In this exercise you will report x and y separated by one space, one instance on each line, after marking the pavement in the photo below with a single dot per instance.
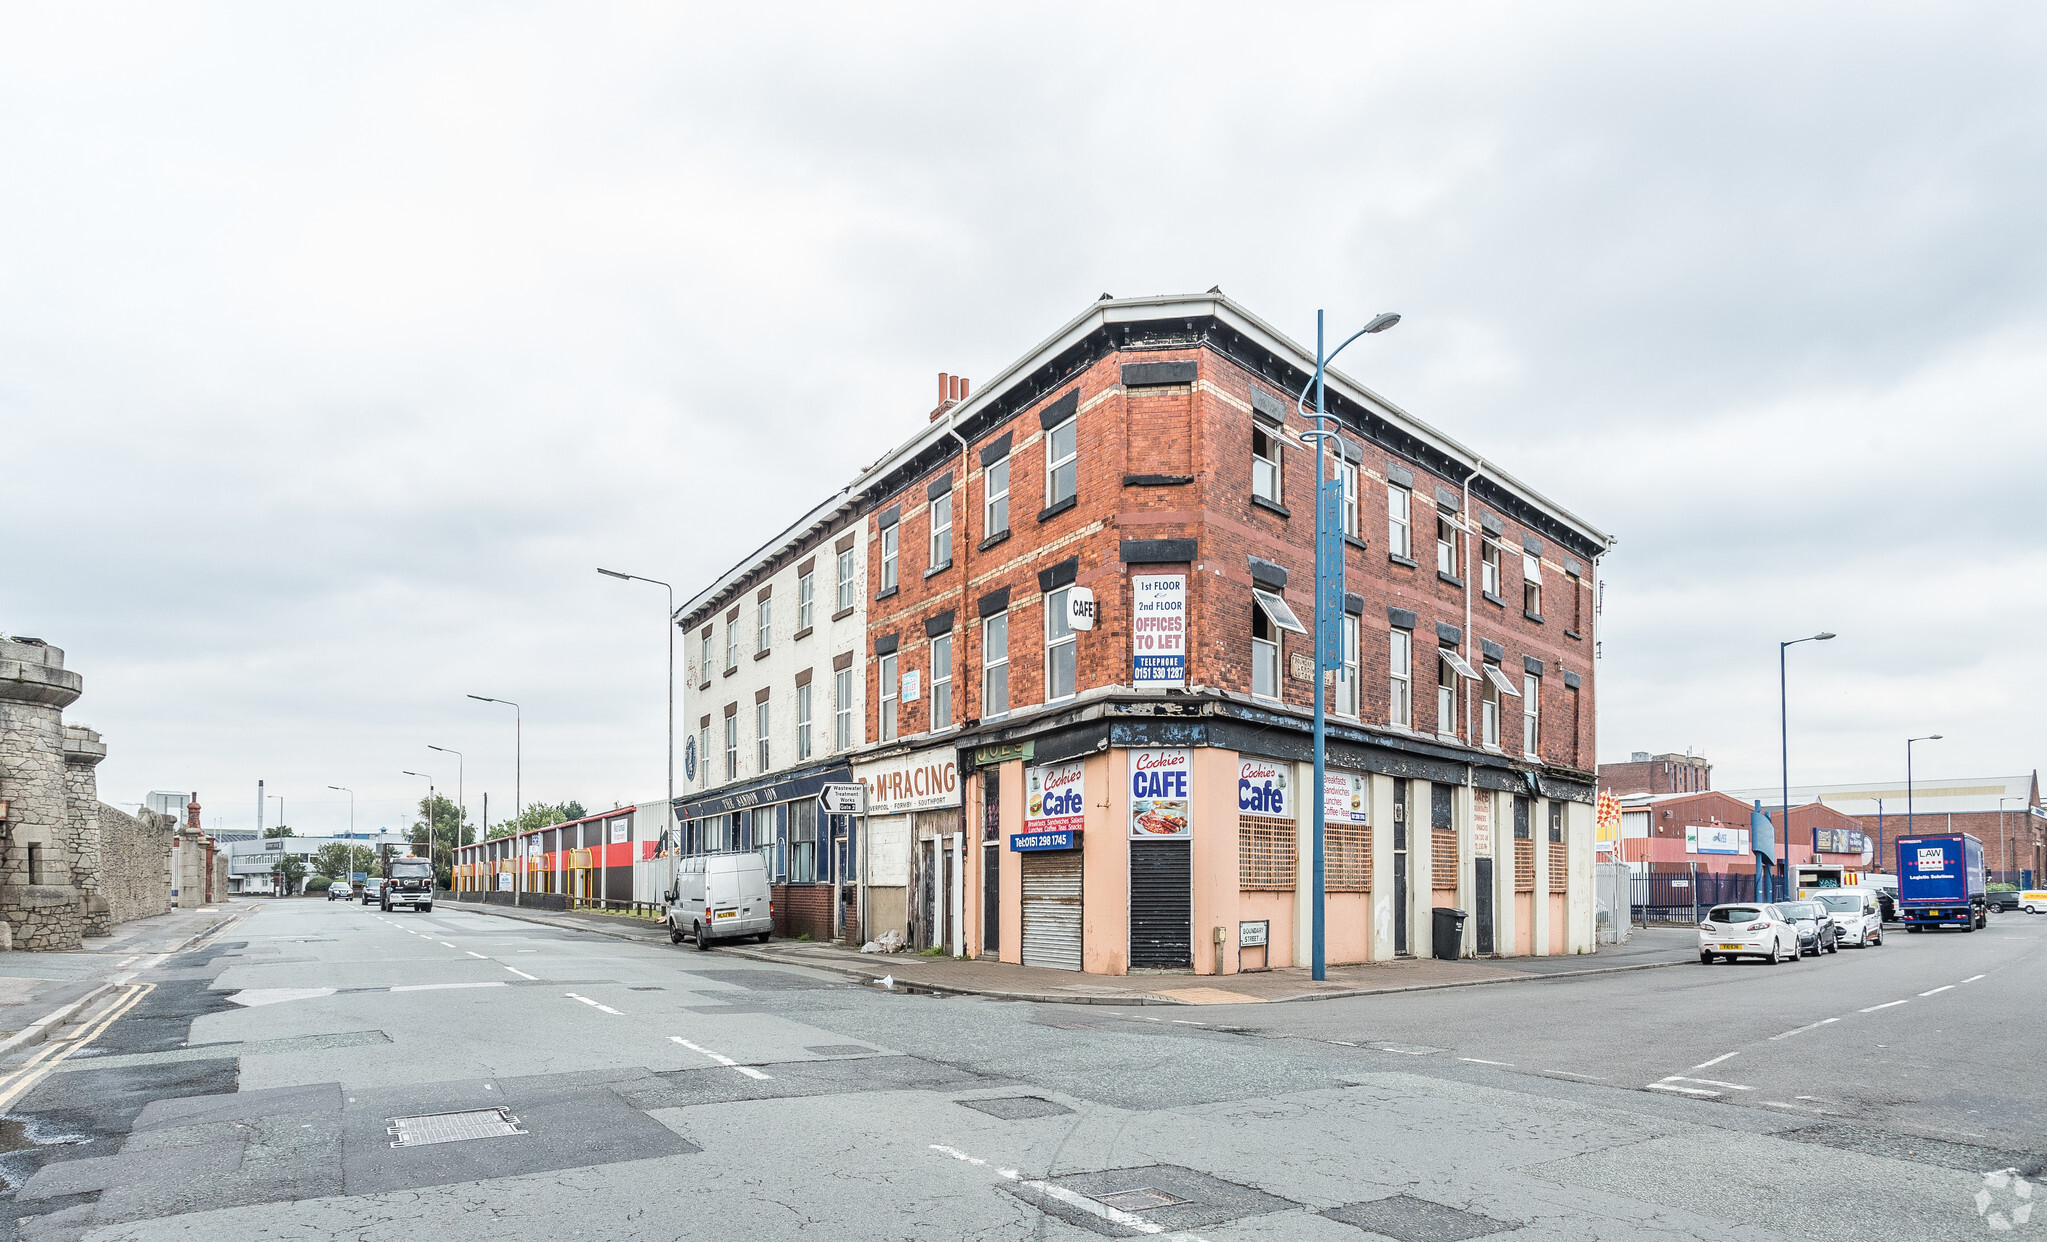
1648 948
316 1070
34 986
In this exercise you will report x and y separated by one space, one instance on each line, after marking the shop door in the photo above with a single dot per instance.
1161 904
991 900
1482 883
1051 909
1400 868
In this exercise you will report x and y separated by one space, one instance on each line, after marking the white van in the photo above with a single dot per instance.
720 897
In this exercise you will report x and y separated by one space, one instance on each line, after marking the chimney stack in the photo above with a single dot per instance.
192 813
952 389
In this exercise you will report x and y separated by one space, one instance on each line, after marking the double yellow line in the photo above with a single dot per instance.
54 1053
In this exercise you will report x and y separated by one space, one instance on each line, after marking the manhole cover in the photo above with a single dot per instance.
1017 1107
1142 1199
477 1123
1416 1220
838 1050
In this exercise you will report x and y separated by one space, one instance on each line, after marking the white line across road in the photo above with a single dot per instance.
439 987
1074 1199
720 1058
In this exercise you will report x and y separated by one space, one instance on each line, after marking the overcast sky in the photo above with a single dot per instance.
340 344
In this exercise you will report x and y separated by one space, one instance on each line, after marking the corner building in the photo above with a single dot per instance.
1136 794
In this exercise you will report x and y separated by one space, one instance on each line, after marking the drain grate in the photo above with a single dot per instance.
1142 1199
477 1123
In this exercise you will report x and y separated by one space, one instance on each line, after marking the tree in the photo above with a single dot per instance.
539 815
451 828
340 860
279 831
293 868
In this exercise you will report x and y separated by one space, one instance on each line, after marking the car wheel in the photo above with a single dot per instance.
1775 956
1705 959
1835 945
2031 910
674 934
762 938
703 941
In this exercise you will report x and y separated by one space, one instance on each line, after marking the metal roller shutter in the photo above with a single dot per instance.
1161 903
1051 909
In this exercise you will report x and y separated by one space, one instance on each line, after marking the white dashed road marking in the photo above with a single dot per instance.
522 974
720 1058
1972 978
593 1004
438 987
474 953
1937 990
1074 1199
1482 1061
1885 1005
1723 1056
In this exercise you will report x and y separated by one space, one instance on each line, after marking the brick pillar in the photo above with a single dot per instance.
83 751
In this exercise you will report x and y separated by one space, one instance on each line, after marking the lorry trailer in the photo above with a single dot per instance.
1941 882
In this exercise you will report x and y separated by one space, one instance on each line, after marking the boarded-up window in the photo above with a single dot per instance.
1443 858
1157 431
1347 858
1524 866
1558 866
1266 858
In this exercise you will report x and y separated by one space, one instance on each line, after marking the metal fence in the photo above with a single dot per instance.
1684 896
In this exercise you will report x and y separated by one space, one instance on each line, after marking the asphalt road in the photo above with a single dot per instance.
249 1087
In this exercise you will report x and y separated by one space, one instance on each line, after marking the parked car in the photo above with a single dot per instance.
2033 900
1855 915
720 897
372 889
1747 930
340 890
2002 899
1816 934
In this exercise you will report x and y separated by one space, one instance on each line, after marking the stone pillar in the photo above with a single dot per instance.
83 751
43 911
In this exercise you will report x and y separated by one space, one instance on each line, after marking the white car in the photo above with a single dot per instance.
1755 929
1855 916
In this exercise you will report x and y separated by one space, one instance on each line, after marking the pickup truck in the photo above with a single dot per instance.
1942 883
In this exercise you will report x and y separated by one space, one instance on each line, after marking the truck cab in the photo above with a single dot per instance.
409 881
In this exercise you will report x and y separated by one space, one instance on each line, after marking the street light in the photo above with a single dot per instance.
461 805
429 824
2001 833
1931 737
1784 742
1328 598
518 808
351 807
669 625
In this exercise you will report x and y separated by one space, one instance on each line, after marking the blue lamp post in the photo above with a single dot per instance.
1328 597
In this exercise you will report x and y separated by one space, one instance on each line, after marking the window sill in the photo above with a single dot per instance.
991 541
1532 616
1574 635
731 669
1054 510
1452 579
1156 480
1260 502
705 686
842 614
939 568
1356 542
886 594
802 634
1493 599
1398 559
763 653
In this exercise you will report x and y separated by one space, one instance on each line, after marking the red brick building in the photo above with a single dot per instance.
1645 773
1149 455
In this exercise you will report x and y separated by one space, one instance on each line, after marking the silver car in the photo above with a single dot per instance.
1855 915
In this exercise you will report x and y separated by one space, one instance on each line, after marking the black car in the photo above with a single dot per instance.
2003 899
1816 931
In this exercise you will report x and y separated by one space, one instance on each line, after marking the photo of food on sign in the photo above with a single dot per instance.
1159 793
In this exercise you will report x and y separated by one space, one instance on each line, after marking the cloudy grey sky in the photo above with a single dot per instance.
338 345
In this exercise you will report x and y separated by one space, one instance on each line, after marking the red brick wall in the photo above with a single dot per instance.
802 909
1140 433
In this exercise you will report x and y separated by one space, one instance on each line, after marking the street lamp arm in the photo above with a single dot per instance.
1379 324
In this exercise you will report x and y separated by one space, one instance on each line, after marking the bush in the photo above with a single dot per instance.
319 884
2004 888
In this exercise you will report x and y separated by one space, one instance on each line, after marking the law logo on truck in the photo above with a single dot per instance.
1932 857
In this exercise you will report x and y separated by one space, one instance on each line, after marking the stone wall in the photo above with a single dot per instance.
135 853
